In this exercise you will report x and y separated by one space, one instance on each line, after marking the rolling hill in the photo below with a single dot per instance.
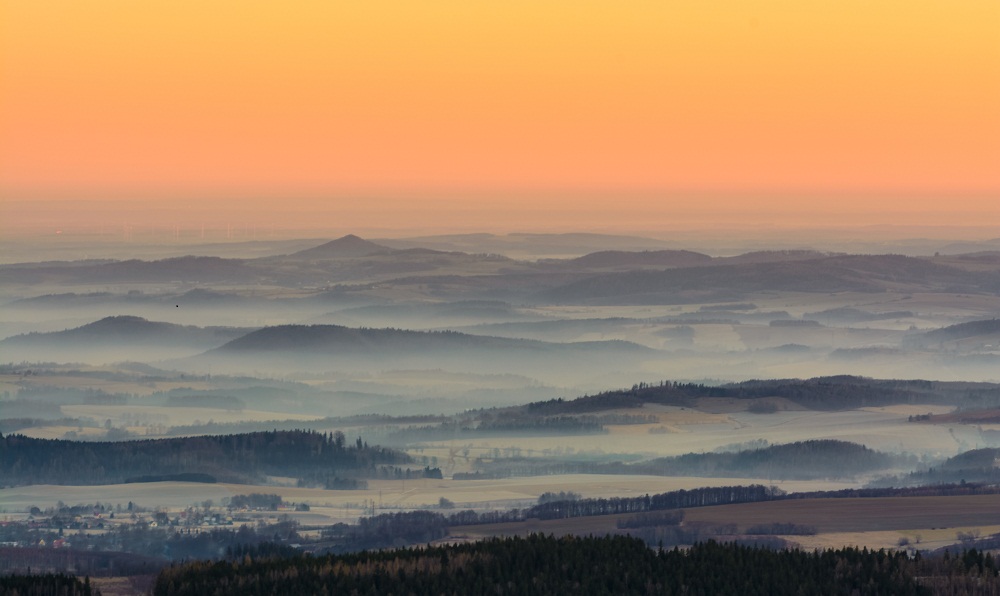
116 338
985 331
333 347
332 339
617 259
349 246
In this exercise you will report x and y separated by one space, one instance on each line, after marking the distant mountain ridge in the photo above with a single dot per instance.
858 273
187 268
197 296
285 349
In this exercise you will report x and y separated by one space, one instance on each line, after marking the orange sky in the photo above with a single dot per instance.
873 105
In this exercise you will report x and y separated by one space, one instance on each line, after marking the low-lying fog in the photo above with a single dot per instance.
313 332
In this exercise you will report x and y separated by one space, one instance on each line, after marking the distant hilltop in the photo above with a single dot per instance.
345 247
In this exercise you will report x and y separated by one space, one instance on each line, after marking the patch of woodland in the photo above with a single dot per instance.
801 460
244 458
47 584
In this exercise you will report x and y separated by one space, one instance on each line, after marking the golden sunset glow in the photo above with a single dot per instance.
503 101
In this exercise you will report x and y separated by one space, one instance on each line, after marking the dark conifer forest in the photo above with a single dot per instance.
589 565
49 584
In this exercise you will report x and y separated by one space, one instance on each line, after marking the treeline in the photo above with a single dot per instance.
568 565
699 497
244 458
576 507
935 490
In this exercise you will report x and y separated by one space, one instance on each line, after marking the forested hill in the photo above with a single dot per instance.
124 330
986 329
976 465
821 393
312 457
801 460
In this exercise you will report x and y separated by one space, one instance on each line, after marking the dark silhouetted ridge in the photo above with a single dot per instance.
347 246
127 329
336 338
647 258
857 273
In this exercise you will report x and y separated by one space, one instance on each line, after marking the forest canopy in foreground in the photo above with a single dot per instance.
591 565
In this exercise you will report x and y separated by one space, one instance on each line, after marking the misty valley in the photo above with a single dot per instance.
347 412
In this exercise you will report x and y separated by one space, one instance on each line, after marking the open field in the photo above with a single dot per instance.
920 539
872 522
854 515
